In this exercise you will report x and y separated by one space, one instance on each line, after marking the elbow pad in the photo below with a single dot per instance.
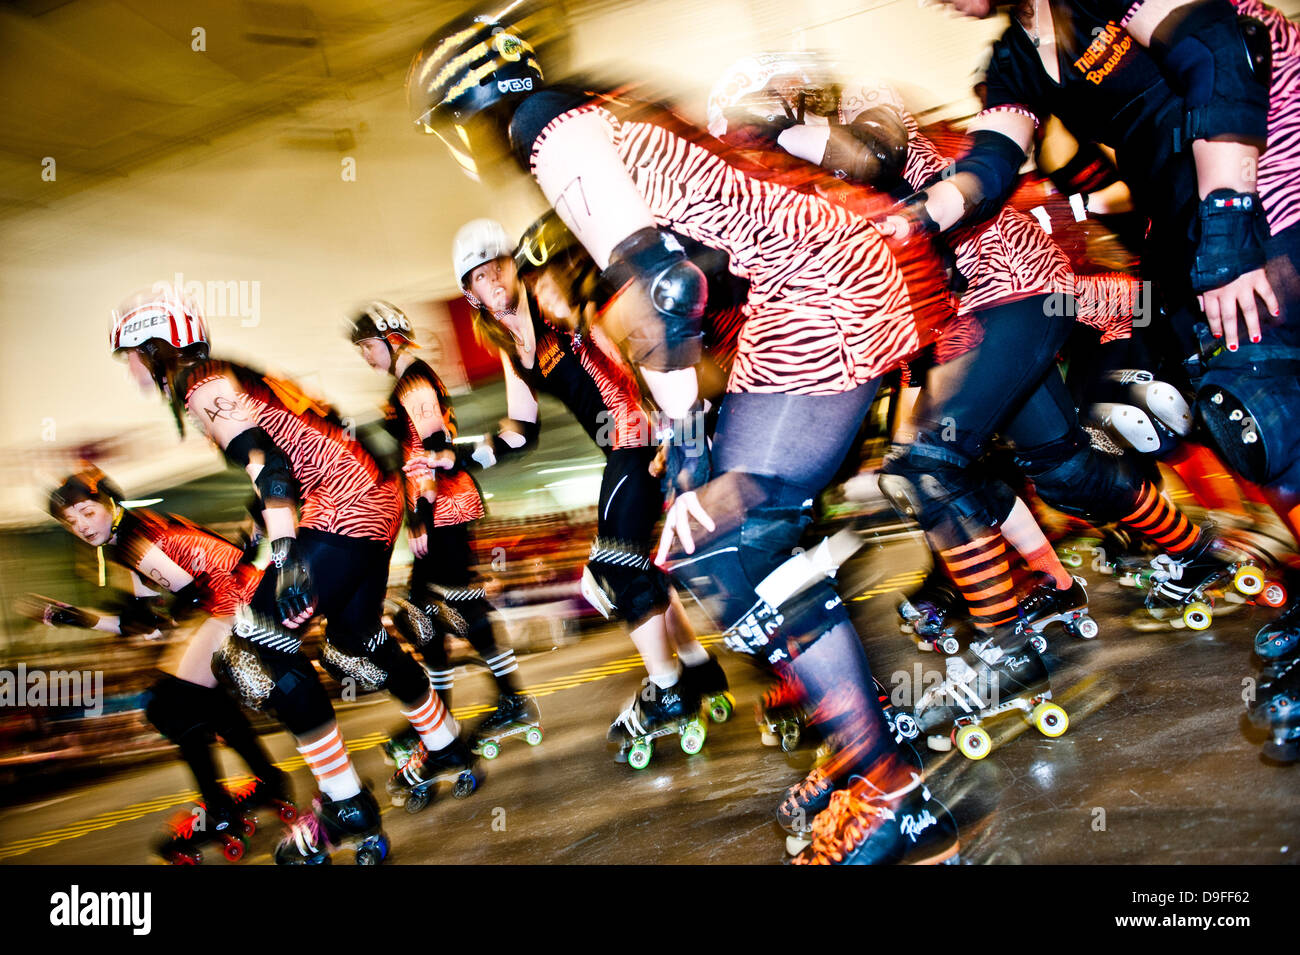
139 617
663 331
276 483
994 160
435 442
872 149
529 430
1221 65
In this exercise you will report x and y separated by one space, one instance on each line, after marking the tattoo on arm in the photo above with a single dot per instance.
225 408
571 205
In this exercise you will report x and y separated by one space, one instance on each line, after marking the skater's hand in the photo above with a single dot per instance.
424 465
1220 306
419 545
294 597
894 227
678 523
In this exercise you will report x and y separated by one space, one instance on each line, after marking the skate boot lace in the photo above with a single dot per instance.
812 786
854 814
307 834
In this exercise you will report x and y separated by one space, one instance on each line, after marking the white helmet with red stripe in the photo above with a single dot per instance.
164 327
163 312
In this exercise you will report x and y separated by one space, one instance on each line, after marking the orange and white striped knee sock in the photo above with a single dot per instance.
1161 522
982 572
328 760
432 721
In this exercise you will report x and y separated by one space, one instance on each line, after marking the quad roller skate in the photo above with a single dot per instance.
864 826
1047 604
656 712
1276 708
223 826
1180 590
780 715
710 682
413 786
352 822
515 715
1000 681
401 746
1280 640
930 615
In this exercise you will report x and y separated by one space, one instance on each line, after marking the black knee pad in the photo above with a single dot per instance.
935 487
631 586
723 572
1252 412
177 708
1073 477
281 683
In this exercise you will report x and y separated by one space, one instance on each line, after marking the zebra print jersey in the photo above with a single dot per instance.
459 499
828 308
343 490
224 579
1007 258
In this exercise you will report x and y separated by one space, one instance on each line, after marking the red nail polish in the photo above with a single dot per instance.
1232 348
1255 339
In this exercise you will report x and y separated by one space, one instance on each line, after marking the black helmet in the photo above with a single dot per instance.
88 484
386 322
463 73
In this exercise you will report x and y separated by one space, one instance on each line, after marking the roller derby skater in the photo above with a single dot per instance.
443 501
330 512
547 345
795 397
1217 82
208 577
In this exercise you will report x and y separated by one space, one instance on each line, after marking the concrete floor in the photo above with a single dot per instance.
1157 766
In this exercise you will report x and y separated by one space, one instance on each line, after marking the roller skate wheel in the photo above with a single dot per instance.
1248 580
1049 719
533 737
1198 616
288 813
949 645
720 708
638 757
416 800
1086 627
796 844
938 743
692 740
372 851
906 727
1039 643
790 742
464 786
249 825
1273 595
490 751
974 742
769 739
233 848
184 857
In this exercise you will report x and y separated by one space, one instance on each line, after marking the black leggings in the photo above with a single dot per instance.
772 454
